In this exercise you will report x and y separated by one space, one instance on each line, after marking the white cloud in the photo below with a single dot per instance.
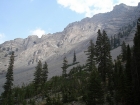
2 38
39 32
91 7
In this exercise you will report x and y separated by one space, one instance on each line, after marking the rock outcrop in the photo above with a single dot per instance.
53 47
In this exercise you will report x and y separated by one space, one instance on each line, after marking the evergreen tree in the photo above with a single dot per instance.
7 95
124 48
122 87
95 94
98 46
37 76
105 65
136 66
64 67
74 57
91 57
44 73
116 78
123 82
128 64
103 55
128 77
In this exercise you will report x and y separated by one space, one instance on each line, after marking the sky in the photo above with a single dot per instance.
21 18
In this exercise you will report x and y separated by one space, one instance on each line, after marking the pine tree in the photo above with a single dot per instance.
128 73
44 74
64 67
74 57
91 56
105 65
7 95
98 46
37 76
136 66
104 59
116 78
128 64
122 88
95 94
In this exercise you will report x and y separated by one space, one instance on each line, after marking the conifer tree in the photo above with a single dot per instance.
7 95
74 57
103 55
98 46
105 65
37 75
64 67
128 77
95 94
44 73
122 89
136 66
116 78
128 64
91 57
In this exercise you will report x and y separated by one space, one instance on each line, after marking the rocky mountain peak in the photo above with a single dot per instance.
75 37
121 7
139 4
32 37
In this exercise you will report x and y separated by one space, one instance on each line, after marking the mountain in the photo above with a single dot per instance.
53 47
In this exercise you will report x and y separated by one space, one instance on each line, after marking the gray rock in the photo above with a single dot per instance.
53 47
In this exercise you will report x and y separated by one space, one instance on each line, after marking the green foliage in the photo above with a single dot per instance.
128 67
136 66
95 94
90 57
37 76
44 74
7 95
115 41
53 101
98 46
64 67
104 59
123 81
110 84
105 65
74 57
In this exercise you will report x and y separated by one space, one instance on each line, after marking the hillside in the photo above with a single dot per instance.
53 47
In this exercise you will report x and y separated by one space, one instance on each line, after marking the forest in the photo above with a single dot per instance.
100 81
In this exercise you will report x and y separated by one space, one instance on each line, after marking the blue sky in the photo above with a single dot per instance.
21 18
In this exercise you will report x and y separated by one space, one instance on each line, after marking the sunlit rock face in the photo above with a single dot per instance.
53 47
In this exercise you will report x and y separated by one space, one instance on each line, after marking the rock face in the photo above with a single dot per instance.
53 47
